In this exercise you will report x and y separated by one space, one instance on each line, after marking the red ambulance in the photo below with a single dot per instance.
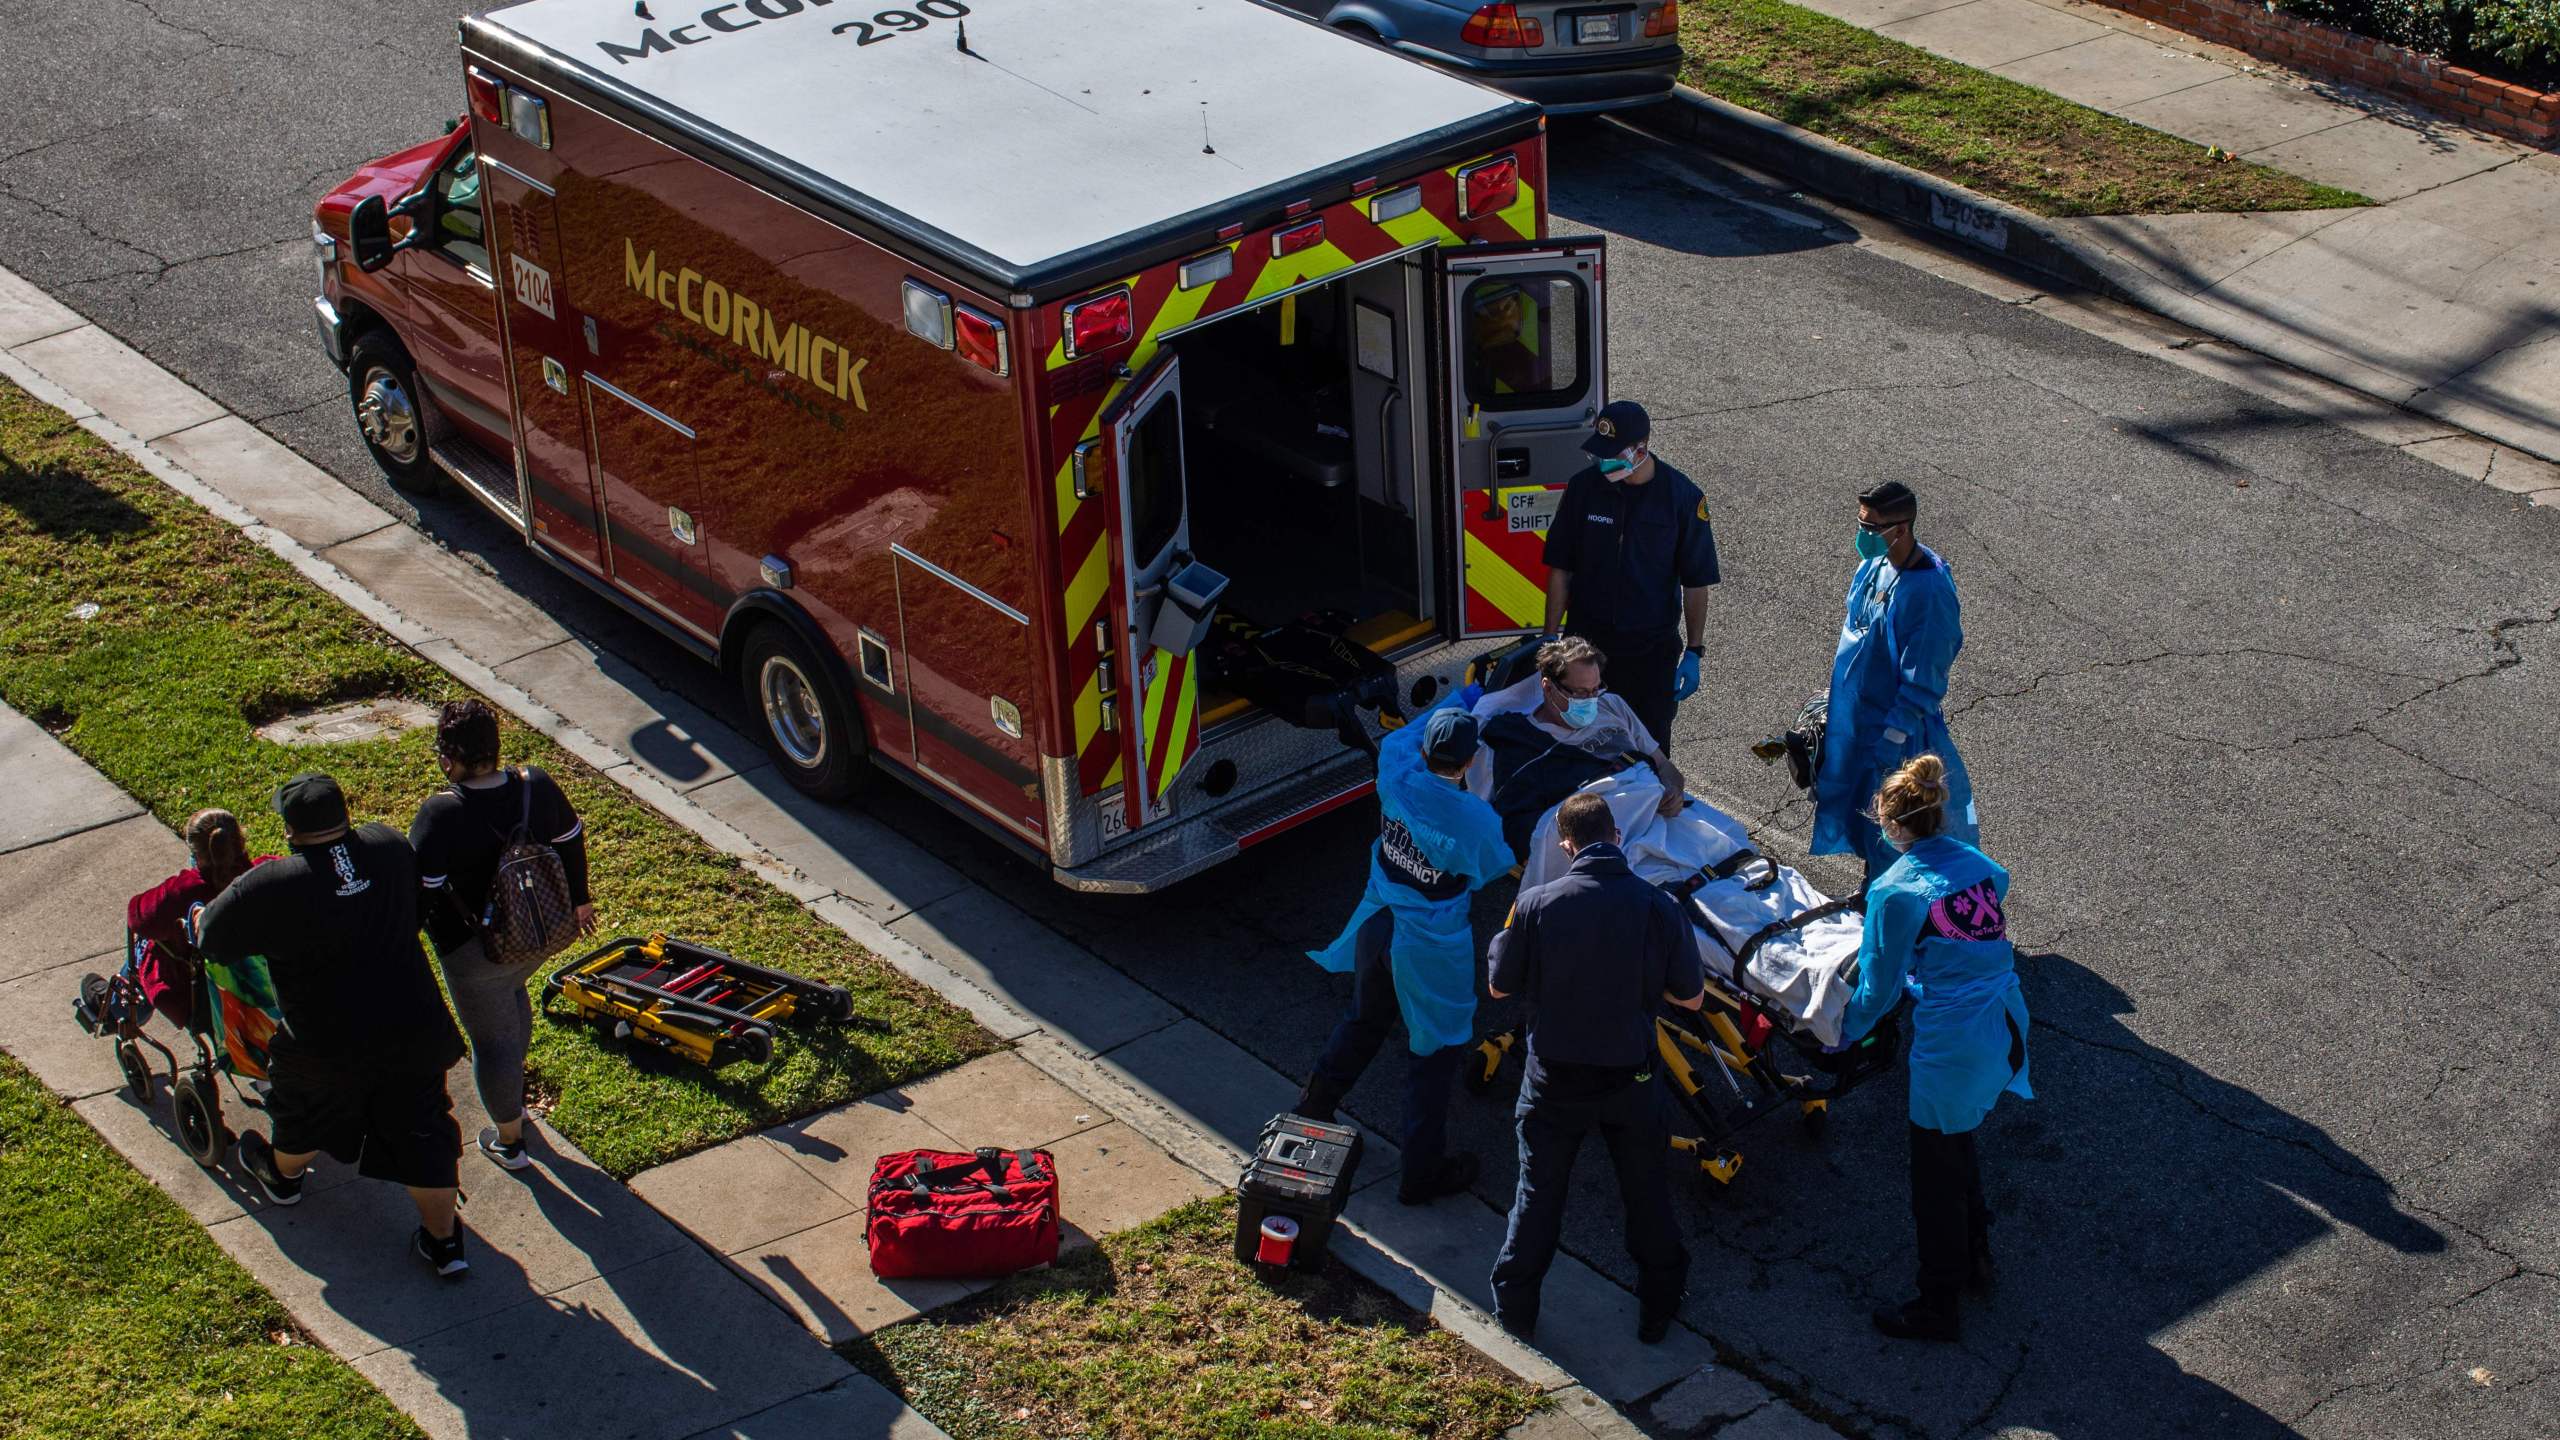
967 378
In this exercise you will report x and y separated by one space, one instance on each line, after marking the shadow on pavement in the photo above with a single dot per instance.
2140 1204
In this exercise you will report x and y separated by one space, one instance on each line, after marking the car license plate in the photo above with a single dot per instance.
1595 30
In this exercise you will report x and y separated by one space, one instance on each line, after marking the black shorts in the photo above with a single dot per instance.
394 1125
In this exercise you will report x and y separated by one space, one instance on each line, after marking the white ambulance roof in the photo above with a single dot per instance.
1066 124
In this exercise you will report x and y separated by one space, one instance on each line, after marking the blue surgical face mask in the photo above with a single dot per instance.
1872 545
1578 713
1614 468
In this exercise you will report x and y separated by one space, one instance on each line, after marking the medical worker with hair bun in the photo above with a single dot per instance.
1889 681
1936 929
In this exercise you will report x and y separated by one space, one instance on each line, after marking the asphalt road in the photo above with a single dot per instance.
2258 711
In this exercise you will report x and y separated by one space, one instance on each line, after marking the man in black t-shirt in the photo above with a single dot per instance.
1593 952
358 1062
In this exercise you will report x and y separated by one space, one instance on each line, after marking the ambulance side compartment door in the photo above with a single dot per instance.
545 354
1525 341
1150 528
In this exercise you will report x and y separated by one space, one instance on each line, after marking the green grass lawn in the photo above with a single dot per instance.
1157 1332
199 636
120 1317
2026 146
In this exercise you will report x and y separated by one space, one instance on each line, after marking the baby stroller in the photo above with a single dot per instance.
236 1013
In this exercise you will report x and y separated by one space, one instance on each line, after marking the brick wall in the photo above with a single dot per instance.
2334 54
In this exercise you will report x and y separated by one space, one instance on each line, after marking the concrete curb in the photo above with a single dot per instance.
1129 1099
1876 185
2049 249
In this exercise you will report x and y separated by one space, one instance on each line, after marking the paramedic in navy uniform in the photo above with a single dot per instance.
1629 555
1593 951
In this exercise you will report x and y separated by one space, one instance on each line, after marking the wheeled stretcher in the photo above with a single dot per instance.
691 1000
1780 960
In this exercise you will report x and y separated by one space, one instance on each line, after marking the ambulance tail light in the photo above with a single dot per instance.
488 96
980 339
1297 238
928 313
1488 187
1395 204
1098 322
1664 21
1500 27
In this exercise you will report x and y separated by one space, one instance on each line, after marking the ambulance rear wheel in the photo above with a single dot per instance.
814 741
391 414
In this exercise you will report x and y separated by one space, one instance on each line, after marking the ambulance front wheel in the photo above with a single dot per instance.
816 744
390 414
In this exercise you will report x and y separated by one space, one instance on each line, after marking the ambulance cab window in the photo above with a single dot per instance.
1525 336
1155 480
460 228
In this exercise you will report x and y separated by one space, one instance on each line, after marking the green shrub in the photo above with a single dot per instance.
2522 34
2516 38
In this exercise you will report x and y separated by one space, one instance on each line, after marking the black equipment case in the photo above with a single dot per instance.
1303 1169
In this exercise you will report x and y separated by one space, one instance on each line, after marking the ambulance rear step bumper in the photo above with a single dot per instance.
1187 847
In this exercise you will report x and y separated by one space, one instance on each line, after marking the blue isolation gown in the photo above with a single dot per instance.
1434 952
1968 1016
1897 643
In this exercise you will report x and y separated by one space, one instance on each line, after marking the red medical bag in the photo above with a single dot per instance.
940 1213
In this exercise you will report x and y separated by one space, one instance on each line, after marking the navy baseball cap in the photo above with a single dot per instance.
1621 423
1449 736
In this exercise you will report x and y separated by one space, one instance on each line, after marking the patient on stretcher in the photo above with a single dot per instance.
1803 964
1554 732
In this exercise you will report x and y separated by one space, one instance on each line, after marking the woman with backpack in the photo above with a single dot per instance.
502 871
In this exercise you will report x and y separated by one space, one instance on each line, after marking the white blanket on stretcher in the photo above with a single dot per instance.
1804 971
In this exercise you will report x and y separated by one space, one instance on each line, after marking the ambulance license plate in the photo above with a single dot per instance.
1596 30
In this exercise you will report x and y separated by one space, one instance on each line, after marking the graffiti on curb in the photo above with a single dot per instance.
1980 224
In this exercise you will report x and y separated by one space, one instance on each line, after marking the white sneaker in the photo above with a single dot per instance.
509 1157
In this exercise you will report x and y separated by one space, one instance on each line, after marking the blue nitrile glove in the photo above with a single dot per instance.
1684 681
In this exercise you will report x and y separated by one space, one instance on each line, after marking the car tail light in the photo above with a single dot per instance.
1098 322
1297 238
1499 27
488 97
979 337
1488 187
1664 21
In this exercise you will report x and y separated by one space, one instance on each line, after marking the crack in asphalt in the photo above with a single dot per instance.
2232 652
2176 1085
1983 1418
1816 395
78 222
207 36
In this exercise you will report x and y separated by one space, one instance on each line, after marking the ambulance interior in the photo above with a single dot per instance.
1299 462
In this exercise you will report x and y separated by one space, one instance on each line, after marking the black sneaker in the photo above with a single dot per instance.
442 1256
1653 1329
259 1159
90 1009
1456 1174
1918 1320
508 1157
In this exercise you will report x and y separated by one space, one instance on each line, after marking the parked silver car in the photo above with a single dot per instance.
1568 56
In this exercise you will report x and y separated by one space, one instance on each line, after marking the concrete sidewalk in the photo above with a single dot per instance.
2444 298
586 1312
1167 1078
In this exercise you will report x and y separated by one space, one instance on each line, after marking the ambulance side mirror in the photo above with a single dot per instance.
369 230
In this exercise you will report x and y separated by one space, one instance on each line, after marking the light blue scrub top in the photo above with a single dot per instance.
1965 991
1434 950
1897 643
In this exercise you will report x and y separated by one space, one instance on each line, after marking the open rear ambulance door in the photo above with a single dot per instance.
1158 712
1526 338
